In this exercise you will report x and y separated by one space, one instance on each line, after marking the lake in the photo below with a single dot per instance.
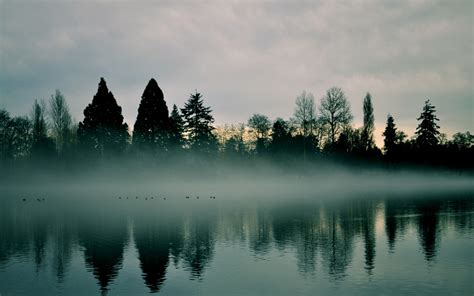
104 243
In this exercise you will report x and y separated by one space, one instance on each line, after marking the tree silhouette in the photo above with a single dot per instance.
152 127
61 121
427 131
198 125
260 125
390 135
335 111
42 145
305 113
280 136
103 131
176 128
367 136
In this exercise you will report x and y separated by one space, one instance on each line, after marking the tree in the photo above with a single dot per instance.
305 113
367 135
198 125
427 131
463 140
103 131
335 111
61 121
152 127
176 128
260 125
15 136
280 136
390 135
42 145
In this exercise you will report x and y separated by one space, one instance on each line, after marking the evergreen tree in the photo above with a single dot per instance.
42 145
367 136
427 131
280 136
390 135
103 131
198 125
176 128
151 130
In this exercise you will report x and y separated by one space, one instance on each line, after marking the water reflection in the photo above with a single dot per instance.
324 234
103 237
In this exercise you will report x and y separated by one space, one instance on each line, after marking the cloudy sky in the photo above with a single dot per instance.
245 56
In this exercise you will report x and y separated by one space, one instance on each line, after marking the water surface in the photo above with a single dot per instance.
103 244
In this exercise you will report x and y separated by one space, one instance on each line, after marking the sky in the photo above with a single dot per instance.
245 57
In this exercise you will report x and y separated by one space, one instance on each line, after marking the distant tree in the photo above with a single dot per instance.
103 131
463 140
390 134
305 113
5 121
152 127
42 145
19 138
427 131
367 135
61 121
176 128
198 125
335 112
280 136
260 126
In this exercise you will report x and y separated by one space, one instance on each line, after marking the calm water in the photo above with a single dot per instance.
104 245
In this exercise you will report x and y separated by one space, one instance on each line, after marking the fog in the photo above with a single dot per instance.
229 180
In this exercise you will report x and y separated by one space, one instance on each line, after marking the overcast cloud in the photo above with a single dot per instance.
244 56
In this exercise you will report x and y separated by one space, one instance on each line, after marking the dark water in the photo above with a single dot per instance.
420 245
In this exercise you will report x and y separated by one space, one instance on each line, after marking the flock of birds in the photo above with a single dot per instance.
146 198
164 198
38 199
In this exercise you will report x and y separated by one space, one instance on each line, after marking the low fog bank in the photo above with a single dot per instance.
233 180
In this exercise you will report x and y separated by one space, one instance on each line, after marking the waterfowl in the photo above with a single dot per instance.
24 199
187 197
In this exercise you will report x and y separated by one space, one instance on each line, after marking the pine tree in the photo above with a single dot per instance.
176 128
367 136
151 130
42 145
103 130
390 135
427 131
198 124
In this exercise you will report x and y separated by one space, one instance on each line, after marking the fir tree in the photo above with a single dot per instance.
103 130
390 135
176 128
198 124
151 130
427 131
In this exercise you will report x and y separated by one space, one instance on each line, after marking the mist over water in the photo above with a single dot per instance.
269 230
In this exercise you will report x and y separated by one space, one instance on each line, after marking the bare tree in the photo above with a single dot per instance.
305 113
260 125
61 121
335 111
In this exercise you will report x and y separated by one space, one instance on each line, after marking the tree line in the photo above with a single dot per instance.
50 133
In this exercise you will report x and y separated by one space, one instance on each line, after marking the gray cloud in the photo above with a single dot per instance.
244 57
